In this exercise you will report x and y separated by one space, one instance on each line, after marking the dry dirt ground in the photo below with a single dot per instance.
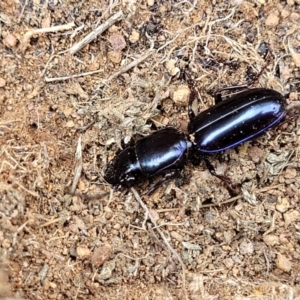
66 110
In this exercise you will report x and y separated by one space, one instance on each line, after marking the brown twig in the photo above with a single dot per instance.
27 36
92 35
47 79
144 206
78 166
131 65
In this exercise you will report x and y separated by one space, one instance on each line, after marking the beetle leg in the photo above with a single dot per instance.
234 190
191 100
167 176
218 93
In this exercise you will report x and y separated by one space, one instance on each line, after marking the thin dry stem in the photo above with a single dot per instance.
131 65
78 167
144 206
47 79
27 36
100 29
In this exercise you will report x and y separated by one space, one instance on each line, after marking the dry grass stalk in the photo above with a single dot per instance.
100 29
148 214
27 36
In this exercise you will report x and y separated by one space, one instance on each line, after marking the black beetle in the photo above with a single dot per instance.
164 151
235 120
227 124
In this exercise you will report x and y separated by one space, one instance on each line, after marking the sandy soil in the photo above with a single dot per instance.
66 111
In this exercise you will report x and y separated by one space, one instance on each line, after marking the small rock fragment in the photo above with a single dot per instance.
134 37
115 56
176 236
290 217
70 124
255 153
228 262
282 204
6 243
10 41
285 13
83 252
2 82
272 20
46 21
118 42
271 240
181 95
283 263
77 225
101 255
154 214
296 58
246 247
170 66
295 16
106 271
290 173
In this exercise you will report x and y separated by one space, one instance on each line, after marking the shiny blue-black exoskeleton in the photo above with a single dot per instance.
228 123
235 120
162 152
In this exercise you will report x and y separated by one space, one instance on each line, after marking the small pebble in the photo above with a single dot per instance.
2 82
285 13
271 240
296 58
181 95
272 20
283 263
171 67
53 285
290 173
70 124
6 243
83 252
118 42
134 37
295 16
176 236
115 56
101 254
10 41
154 214
117 226
246 247
291 217
255 153
228 262
282 204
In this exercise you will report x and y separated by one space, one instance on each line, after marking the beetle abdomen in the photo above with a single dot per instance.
237 119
